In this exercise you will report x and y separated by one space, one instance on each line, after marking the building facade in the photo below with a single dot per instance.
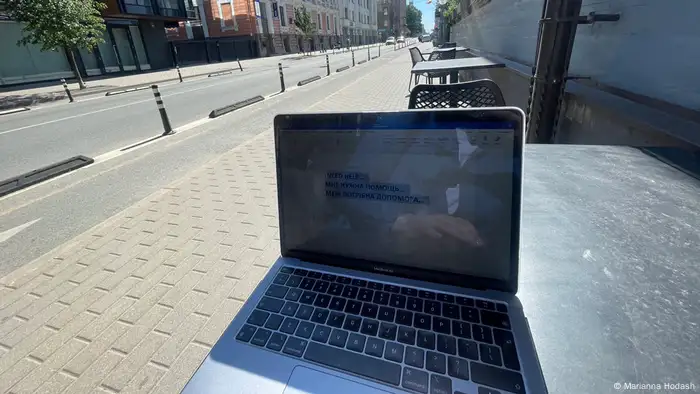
268 24
391 17
359 20
134 41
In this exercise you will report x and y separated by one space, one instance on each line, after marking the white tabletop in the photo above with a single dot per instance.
468 63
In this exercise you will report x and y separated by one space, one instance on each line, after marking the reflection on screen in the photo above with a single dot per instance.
437 199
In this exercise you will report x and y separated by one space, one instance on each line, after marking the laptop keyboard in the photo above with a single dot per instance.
415 339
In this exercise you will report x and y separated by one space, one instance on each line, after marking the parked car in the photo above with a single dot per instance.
400 40
391 41
424 37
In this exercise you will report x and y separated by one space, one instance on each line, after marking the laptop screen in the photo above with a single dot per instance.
437 197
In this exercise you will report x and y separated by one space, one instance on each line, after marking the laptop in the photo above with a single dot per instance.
399 234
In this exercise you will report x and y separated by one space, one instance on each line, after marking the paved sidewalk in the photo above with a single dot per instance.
136 303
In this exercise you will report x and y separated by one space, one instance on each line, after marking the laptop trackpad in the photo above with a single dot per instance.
309 381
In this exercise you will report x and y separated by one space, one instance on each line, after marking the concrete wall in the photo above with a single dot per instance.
156 43
654 50
649 53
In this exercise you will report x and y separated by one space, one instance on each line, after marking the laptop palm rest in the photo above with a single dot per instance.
309 381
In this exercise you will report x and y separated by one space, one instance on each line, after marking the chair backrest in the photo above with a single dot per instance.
480 93
450 45
442 55
415 55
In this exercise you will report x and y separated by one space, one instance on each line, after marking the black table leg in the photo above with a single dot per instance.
454 77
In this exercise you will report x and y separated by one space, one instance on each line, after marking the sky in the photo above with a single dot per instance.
428 11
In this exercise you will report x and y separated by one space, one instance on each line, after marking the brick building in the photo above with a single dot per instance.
391 18
268 24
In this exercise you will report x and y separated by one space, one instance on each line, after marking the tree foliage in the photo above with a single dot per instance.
450 10
414 20
303 22
58 24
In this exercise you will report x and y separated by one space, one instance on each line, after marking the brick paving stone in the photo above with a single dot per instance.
33 380
136 303
64 334
138 331
145 380
218 322
94 375
95 348
57 383
184 367
137 358
181 312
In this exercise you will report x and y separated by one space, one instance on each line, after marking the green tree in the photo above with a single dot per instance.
304 24
414 20
59 24
450 10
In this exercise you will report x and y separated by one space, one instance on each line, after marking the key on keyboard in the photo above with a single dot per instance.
370 329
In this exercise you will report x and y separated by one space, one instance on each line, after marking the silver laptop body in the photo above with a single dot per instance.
399 235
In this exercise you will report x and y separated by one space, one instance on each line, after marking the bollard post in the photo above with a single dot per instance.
353 58
328 66
368 56
177 66
239 64
68 93
380 51
161 109
281 77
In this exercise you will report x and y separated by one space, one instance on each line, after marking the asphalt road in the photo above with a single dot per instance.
99 124
38 219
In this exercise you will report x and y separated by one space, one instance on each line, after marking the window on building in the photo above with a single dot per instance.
283 19
227 15
386 11
318 16
328 22
346 13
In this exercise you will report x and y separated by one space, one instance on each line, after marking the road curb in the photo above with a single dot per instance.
309 80
361 62
14 111
342 69
31 178
115 92
229 108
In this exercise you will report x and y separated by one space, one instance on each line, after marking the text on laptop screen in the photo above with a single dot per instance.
438 199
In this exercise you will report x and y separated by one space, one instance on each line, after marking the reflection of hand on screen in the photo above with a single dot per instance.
437 226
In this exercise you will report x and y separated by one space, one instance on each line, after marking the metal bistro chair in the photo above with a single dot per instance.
480 93
417 56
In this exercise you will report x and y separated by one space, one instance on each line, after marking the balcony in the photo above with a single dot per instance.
171 9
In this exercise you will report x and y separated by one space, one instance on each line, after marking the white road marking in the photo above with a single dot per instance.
5 235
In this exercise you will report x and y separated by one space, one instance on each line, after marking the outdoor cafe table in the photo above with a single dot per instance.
457 49
454 65
609 273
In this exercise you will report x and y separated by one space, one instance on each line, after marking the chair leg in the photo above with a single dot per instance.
410 79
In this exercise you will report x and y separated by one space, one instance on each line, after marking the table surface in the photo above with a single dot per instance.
467 63
609 271
457 49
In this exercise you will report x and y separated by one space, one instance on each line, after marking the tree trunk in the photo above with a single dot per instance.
74 65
